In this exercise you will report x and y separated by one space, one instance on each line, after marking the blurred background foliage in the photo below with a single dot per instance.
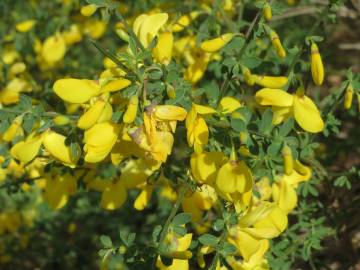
325 230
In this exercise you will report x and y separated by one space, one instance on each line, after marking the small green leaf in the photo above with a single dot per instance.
208 240
181 219
238 125
156 232
106 241
266 121
180 230
285 128
219 225
228 249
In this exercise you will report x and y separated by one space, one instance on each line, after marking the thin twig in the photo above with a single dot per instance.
174 210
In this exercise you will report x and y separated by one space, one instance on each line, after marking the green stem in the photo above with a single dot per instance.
110 55
174 210
21 181
248 34
217 254
310 33
130 31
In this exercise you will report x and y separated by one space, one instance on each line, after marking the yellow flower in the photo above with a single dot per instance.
53 49
205 165
99 140
184 21
136 171
259 224
94 28
229 104
201 200
113 84
73 35
155 135
91 116
58 189
25 151
17 68
307 114
269 81
164 47
131 111
88 10
25 26
177 249
213 45
75 90
283 190
13 130
196 59
143 198
169 113
146 27
10 94
54 143
197 129
317 67
234 177
298 105
113 196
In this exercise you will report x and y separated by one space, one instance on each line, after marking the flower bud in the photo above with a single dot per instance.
216 44
170 90
88 10
61 120
317 67
276 82
348 97
267 12
14 129
122 34
131 111
275 40
25 26
180 255
288 159
248 77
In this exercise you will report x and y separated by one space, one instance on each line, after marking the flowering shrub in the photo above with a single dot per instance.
190 126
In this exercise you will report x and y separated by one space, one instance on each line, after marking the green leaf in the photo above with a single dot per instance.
238 125
180 230
28 122
234 46
156 232
127 238
251 62
266 121
155 74
219 225
274 149
181 219
285 128
106 241
228 249
208 240
212 92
